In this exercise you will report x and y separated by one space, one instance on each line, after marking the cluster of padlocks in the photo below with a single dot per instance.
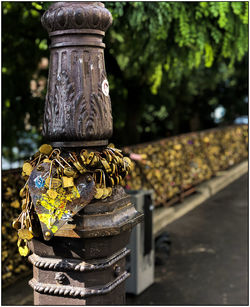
173 165
13 266
56 180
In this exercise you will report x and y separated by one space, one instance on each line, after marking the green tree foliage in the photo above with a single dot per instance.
24 43
179 52
170 64
176 37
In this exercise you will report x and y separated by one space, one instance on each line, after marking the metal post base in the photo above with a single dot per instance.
84 264
72 281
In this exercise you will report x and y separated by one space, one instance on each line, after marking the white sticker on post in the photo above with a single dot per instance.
105 87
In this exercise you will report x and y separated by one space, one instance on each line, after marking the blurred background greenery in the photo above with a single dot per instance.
173 67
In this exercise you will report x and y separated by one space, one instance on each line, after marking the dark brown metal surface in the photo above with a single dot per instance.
80 143
78 106
80 248
77 279
103 218
84 262
69 271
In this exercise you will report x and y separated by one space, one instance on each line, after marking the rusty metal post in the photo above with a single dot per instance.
84 263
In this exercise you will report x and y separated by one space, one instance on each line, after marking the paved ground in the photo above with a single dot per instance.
208 264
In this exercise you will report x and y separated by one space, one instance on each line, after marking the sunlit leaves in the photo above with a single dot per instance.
209 55
205 31
42 44
156 78
37 6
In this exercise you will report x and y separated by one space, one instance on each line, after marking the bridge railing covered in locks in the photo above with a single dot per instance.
13 266
171 167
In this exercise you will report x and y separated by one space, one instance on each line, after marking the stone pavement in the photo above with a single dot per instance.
208 264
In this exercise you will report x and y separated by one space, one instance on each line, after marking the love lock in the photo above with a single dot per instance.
56 200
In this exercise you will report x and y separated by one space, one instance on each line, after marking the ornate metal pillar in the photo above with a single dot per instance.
84 262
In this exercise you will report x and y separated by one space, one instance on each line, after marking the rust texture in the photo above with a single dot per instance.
84 262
